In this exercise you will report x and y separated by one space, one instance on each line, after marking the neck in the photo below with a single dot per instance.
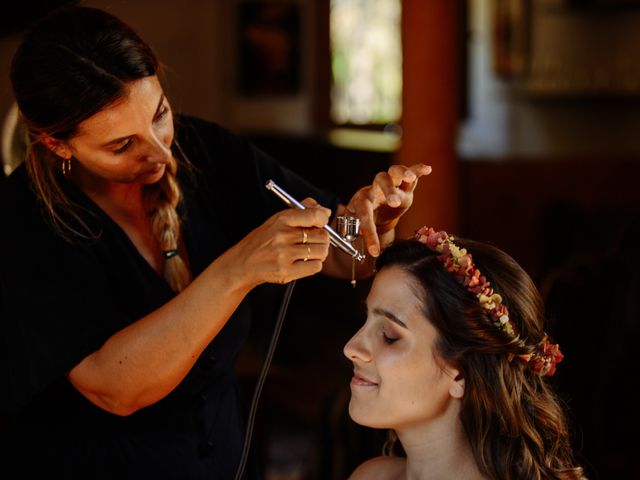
112 197
439 450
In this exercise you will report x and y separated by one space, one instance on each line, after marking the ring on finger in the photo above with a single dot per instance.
306 257
304 236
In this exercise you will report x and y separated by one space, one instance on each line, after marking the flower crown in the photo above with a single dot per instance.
460 264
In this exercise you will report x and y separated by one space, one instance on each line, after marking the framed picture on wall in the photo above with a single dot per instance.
268 42
510 37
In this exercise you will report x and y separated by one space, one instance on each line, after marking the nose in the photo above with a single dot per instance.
158 151
357 348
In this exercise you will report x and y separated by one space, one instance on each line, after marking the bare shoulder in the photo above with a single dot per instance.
380 468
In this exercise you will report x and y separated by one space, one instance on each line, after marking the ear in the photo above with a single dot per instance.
58 147
456 388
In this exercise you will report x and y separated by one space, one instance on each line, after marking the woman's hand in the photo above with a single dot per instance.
291 244
381 204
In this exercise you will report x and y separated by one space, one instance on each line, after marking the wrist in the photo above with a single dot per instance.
237 275
386 227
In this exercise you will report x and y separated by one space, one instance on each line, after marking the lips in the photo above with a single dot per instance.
362 381
156 168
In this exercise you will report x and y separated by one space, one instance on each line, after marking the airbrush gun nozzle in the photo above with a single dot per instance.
334 238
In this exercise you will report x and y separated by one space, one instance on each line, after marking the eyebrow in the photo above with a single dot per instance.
387 314
122 139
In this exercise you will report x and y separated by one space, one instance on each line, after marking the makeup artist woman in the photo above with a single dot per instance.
126 256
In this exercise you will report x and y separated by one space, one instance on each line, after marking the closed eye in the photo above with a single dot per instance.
162 113
123 148
388 340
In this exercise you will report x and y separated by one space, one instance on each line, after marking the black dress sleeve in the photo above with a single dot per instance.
55 302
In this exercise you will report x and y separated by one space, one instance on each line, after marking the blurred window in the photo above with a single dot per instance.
366 62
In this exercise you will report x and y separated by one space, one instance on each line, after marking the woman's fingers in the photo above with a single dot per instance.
386 199
291 245
309 217
384 185
414 172
296 260
297 270
389 186
307 235
400 177
310 203
311 251
363 205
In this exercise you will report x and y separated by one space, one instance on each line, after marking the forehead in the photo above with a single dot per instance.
136 107
396 290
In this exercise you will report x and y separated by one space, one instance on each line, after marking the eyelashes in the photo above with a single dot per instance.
123 148
161 115
388 340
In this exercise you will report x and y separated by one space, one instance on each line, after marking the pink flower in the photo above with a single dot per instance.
552 353
544 363
457 261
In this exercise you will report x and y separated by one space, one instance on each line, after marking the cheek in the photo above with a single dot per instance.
404 379
99 162
405 376
416 388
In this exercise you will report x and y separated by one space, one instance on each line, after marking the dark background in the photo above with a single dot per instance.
569 215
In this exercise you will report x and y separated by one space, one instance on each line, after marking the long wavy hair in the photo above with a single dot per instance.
515 423
72 64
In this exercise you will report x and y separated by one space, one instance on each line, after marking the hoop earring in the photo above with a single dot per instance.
66 166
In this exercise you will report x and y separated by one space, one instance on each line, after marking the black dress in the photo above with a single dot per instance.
60 302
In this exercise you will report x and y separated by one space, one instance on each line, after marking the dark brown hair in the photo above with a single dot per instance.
73 63
515 423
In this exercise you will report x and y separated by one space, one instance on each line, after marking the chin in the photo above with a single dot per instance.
149 178
362 416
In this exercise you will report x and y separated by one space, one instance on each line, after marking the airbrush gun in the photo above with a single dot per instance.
348 226
349 231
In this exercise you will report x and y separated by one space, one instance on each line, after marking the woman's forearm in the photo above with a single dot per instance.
142 363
